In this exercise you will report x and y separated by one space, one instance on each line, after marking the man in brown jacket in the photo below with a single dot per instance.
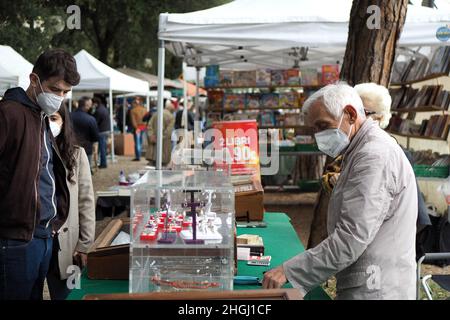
137 114
34 196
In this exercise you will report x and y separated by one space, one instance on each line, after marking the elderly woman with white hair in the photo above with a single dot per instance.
377 103
372 211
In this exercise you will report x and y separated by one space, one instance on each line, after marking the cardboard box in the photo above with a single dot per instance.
109 262
124 144
249 201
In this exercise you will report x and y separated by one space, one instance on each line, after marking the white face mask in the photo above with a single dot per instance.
333 141
55 128
49 102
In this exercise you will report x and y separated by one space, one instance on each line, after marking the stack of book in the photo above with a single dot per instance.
419 66
436 127
440 63
428 96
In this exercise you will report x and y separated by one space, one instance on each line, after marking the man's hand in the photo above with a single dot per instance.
274 279
82 257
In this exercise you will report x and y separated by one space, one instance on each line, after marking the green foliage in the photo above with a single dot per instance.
118 32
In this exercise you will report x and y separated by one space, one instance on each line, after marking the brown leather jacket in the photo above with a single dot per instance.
21 136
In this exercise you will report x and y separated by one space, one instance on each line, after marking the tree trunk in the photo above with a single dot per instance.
369 57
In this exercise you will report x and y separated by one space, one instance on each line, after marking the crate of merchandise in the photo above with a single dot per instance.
423 170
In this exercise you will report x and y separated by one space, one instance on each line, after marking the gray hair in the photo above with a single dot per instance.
335 97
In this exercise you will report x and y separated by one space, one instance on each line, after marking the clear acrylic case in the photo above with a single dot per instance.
166 252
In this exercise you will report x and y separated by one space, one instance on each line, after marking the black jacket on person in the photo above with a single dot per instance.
102 117
179 120
86 129
32 174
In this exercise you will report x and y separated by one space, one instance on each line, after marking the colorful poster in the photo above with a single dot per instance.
239 145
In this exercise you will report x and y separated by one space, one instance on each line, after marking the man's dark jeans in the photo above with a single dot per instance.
23 268
102 148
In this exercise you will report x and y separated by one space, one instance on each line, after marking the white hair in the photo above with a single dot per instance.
168 104
335 97
376 98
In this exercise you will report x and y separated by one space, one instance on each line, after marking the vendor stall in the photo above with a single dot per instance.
99 77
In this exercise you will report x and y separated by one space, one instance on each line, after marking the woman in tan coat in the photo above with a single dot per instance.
78 233
168 125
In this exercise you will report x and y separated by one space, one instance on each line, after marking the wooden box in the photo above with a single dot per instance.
109 262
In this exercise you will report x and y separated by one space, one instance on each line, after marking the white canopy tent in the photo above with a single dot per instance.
99 77
247 34
14 69
243 34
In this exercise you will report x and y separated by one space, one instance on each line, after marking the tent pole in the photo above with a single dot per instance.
124 115
111 123
185 109
197 93
197 126
159 134
70 104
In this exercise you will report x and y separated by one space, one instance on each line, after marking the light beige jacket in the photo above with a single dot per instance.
78 233
152 129
372 218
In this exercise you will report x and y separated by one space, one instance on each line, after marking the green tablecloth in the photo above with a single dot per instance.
280 241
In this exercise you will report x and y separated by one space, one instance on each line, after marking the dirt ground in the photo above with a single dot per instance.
298 206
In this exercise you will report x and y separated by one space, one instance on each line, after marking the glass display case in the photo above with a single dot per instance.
182 232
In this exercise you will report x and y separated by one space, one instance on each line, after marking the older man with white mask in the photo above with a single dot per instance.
372 211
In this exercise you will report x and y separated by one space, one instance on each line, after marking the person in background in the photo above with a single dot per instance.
139 126
372 211
74 105
101 115
168 123
119 116
75 237
180 123
85 126
34 194
377 103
